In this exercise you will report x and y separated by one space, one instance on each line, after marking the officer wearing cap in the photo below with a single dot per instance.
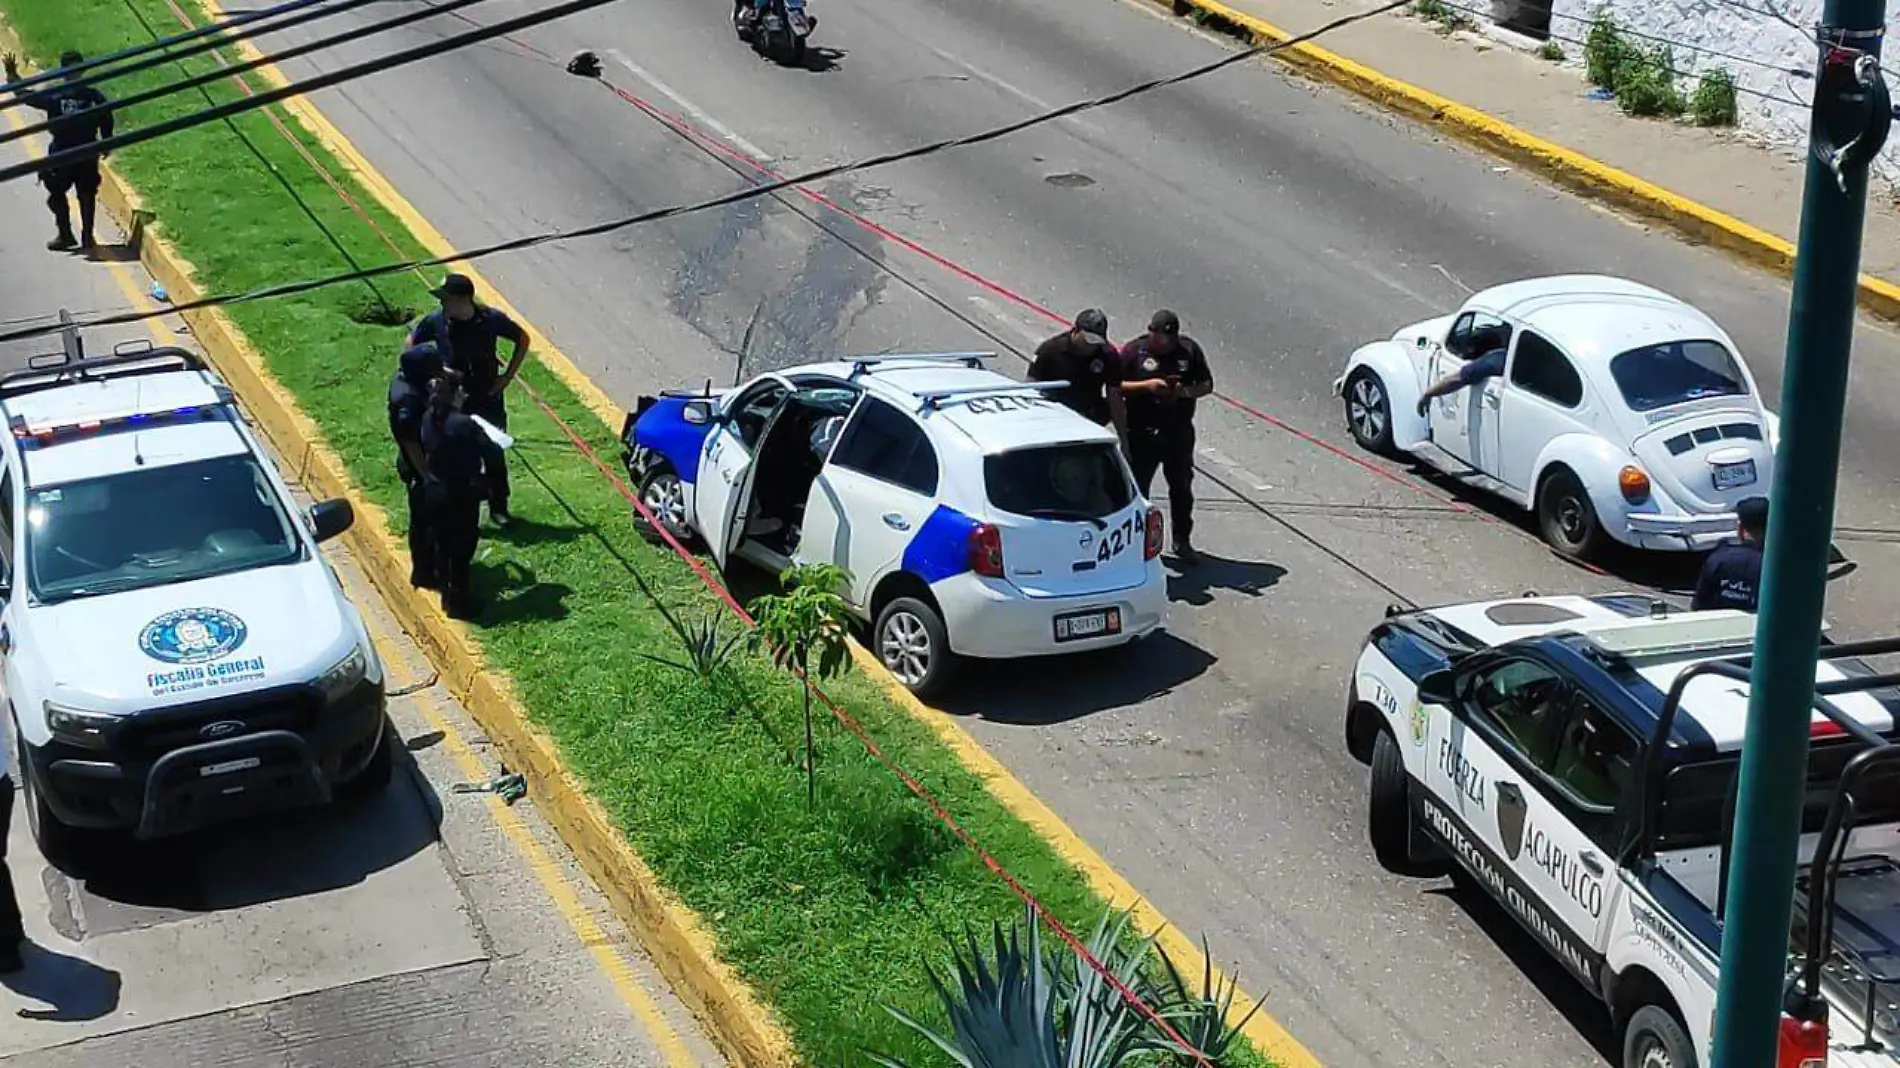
79 115
468 334
1731 576
1163 373
408 408
1083 357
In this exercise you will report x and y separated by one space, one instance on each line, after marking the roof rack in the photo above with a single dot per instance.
933 398
1689 632
861 364
127 359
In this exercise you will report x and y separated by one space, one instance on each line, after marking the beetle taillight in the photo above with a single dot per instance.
1803 1044
1151 545
1634 482
986 551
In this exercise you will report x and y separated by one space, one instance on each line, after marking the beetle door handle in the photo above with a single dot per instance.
895 521
1591 863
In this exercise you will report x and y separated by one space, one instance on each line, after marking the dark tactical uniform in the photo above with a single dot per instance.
456 449
79 115
471 346
1090 369
1161 429
408 410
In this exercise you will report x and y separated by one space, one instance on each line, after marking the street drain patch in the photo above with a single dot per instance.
1068 180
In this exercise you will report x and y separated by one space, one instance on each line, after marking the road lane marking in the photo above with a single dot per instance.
690 108
1021 94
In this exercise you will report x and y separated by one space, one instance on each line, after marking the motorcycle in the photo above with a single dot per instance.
779 29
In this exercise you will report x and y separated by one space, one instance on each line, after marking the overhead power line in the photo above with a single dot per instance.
214 36
200 80
287 289
309 85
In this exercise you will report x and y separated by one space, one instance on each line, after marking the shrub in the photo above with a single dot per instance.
1552 51
1441 12
1646 83
1605 50
1713 103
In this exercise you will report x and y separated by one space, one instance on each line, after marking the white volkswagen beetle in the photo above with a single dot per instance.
1623 413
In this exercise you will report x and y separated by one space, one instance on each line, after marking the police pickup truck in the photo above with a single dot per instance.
975 517
176 649
1576 758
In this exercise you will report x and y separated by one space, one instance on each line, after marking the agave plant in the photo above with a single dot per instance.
706 647
1024 1007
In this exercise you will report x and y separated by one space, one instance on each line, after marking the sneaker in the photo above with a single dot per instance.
62 243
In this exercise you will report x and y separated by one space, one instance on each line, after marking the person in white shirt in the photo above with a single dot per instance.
12 930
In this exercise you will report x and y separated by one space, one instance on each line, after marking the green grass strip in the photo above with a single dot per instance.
828 913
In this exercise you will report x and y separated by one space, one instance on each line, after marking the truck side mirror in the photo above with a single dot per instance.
1439 687
331 518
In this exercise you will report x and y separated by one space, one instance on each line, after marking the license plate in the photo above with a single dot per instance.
1730 476
230 766
1088 625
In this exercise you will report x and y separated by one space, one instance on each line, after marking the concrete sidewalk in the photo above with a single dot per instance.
1757 185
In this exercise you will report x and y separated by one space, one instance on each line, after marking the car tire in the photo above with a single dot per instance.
910 641
1654 1038
1389 820
664 492
73 850
1566 518
376 775
1369 412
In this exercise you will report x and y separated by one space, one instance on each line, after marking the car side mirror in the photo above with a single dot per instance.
1439 687
330 518
700 413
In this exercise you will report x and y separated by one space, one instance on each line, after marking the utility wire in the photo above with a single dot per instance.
217 31
323 81
198 81
283 180
765 189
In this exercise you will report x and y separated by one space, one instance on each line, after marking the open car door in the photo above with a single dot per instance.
737 469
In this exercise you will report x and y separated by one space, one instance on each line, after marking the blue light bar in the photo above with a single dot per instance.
49 434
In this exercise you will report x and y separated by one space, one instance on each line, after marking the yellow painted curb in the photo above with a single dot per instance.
1565 166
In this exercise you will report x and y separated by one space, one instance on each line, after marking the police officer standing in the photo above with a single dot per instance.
1731 576
453 447
12 927
79 115
408 410
1163 374
468 334
1083 357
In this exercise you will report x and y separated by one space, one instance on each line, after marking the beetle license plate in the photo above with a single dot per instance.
1079 625
1733 476
229 766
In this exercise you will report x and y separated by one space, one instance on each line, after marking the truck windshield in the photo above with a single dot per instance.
1657 376
153 527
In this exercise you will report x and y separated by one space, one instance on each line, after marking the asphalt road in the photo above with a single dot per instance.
419 926
1286 224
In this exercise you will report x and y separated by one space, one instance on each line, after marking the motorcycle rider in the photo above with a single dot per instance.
746 13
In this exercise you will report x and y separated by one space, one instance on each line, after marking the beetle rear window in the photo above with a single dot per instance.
1657 376
1059 481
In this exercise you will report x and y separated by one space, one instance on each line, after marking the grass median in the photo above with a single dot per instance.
829 912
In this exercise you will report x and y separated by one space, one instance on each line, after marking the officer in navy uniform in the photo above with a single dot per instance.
1163 374
79 115
1731 576
408 409
468 334
12 927
1083 357
454 448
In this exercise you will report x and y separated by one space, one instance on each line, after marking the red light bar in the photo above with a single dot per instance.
1825 728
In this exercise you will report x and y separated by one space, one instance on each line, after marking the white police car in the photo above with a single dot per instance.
976 517
177 650
1577 758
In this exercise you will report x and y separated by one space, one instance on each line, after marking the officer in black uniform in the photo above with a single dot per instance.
1083 357
1163 374
408 410
12 927
453 447
80 115
1731 576
468 334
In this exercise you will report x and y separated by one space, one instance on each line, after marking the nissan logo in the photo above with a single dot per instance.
224 728
1087 539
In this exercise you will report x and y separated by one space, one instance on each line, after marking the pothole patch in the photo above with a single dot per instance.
1069 180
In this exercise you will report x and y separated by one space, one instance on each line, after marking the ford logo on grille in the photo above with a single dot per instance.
224 728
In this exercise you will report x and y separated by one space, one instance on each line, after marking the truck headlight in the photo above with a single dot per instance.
343 675
79 726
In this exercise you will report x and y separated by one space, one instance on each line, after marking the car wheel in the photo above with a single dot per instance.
1369 412
1655 1039
73 850
911 643
1567 519
376 775
664 494
1389 821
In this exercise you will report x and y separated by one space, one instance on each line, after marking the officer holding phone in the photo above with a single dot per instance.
1163 374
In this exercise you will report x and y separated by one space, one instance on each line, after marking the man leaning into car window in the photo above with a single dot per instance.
1489 365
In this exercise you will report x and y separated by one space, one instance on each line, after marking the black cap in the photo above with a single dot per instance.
1165 322
1753 515
420 363
71 58
1093 326
454 285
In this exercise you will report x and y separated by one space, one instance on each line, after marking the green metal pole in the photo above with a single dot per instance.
1755 936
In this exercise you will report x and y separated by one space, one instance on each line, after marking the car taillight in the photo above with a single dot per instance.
1634 483
1151 547
986 551
1803 1044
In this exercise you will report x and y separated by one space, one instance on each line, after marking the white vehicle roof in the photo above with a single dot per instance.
1597 317
1002 414
121 424
1657 649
